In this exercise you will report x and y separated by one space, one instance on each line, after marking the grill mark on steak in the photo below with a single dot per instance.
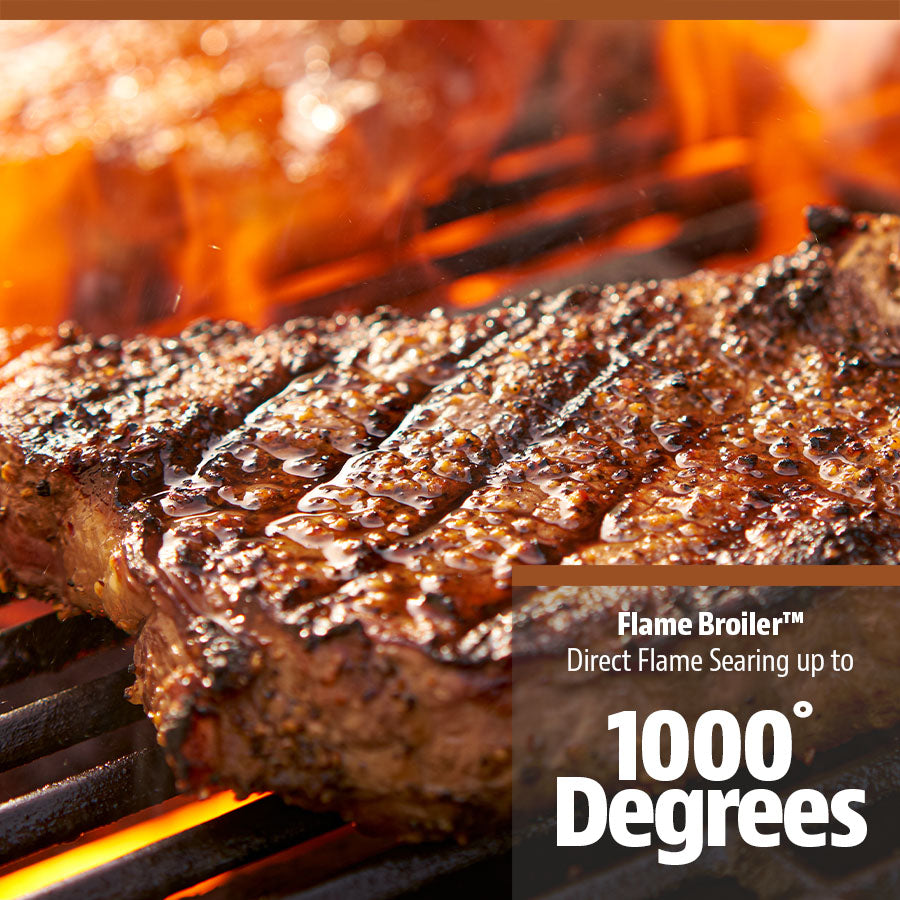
448 445
101 424
611 446
537 504
216 522
307 431
134 408
454 438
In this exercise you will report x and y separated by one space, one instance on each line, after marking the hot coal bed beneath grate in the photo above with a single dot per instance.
81 768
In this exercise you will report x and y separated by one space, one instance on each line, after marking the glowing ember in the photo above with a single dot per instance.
91 853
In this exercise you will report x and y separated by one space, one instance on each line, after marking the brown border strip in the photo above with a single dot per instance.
460 9
707 576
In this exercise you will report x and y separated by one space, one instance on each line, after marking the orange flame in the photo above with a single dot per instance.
152 168
729 93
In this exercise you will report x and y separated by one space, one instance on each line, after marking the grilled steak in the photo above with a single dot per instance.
315 542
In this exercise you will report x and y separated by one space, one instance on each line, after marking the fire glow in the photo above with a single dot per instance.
66 863
760 94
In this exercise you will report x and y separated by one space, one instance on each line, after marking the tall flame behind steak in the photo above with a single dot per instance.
153 168
312 528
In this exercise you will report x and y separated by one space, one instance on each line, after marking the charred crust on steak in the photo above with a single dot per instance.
825 222
227 660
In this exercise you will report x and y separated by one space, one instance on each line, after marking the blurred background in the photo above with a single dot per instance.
153 172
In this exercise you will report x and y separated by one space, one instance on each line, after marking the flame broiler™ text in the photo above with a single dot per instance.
748 623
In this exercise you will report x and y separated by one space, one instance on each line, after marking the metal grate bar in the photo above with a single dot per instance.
879 881
640 876
235 839
66 718
405 870
47 643
608 209
876 770
638 149
66 809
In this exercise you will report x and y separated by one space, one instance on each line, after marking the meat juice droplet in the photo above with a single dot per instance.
179 509
669 435
786 467
301 468
249 501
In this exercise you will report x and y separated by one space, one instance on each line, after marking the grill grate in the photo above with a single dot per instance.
66 718
533 225
46 643
239 837
64 810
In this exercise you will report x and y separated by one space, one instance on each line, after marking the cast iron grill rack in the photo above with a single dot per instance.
550 193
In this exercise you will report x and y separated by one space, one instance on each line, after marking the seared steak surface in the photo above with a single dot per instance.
313 527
